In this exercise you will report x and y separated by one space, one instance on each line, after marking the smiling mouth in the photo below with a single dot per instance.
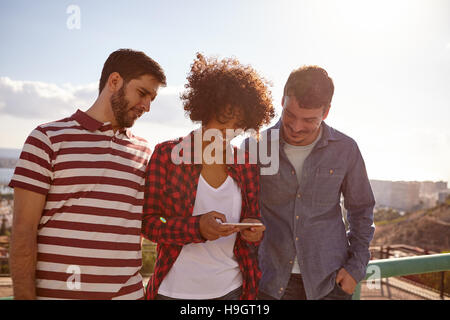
297 134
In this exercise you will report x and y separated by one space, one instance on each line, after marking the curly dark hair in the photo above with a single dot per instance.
213 85
311 86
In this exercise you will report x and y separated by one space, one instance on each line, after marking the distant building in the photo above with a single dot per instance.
399 195
428 201
443 195
441 185
407 195
432 188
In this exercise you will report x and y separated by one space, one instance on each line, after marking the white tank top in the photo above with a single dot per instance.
208 270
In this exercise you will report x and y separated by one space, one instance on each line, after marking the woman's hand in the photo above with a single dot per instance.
252 234
210 229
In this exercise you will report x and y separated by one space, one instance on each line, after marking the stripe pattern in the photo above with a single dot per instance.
89 243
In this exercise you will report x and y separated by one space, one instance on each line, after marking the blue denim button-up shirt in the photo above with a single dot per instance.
306 219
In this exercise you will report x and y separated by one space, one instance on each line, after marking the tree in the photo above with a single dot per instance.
386 215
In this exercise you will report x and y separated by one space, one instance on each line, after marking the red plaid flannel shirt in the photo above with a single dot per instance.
169 198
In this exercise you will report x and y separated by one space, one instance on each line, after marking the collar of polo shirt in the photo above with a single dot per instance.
91 124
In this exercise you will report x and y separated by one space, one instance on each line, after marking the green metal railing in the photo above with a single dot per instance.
386 268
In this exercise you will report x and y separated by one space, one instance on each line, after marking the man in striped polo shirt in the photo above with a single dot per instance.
78 193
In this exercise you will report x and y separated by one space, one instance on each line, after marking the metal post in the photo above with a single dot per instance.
357 293
388 287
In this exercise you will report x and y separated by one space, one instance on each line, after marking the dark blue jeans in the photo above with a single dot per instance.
232 295
296 291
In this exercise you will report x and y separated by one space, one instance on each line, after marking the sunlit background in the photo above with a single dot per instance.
390 62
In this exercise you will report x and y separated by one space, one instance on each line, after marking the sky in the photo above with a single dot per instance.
389 60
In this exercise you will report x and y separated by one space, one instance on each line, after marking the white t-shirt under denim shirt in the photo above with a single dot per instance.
297 156
208 270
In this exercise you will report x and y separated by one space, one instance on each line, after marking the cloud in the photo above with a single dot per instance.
34 99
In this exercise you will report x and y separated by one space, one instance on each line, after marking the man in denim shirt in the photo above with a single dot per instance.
306 252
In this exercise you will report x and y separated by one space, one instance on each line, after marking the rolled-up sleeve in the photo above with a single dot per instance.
252 178
158 225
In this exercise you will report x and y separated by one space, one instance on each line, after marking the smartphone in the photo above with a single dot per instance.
242 225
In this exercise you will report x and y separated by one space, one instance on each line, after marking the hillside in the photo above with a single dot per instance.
427 229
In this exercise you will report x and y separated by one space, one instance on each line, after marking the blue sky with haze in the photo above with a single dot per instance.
390 61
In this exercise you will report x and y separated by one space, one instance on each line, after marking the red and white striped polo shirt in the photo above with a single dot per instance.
89 244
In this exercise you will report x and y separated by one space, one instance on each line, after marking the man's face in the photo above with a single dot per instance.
300 126
133 99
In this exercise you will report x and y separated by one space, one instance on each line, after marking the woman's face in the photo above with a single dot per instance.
231 124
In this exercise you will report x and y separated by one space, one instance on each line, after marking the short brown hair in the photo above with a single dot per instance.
311 86
213 85
131 64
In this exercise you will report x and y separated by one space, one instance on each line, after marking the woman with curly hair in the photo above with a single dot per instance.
198 257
